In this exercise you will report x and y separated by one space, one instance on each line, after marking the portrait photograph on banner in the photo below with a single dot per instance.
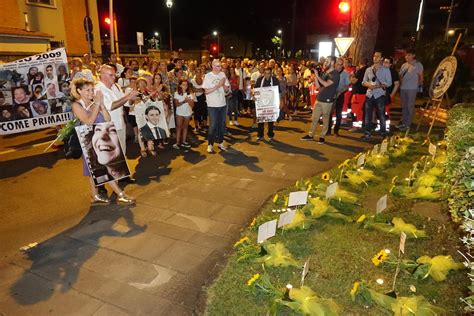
267 104
35 93
102 152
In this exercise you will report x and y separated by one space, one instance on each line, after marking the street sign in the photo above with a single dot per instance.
343 44
140 41
87 24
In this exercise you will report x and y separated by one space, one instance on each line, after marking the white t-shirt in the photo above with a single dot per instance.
196 86
255 75
242 74
184 109
111 95
215 99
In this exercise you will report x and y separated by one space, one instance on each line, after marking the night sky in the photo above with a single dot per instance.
255 21
258 21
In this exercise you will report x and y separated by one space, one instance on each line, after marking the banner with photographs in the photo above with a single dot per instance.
102 152
35 92
267 104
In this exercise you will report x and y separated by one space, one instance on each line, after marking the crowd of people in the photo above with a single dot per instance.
159 99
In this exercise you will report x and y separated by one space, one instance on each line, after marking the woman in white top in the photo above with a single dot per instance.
184 102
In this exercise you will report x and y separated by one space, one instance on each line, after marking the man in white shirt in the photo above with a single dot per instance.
114 99
215 87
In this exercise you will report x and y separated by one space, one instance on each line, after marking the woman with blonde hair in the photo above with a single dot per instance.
89 109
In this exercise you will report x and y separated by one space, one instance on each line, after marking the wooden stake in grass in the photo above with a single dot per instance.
401 252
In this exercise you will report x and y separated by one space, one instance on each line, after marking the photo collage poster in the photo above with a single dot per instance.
102 152
35 92
267 104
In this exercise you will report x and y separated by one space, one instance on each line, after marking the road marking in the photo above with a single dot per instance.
23 148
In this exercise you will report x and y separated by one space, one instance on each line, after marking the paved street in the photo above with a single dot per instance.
153 258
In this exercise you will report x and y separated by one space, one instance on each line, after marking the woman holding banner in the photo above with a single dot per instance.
90 109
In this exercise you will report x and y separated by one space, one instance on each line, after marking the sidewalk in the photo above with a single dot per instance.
156 257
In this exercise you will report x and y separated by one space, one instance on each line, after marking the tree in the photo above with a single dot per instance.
364 28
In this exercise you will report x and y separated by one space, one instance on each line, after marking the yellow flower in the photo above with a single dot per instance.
241 241
275 198
253 279
309 187
254 221
361 218
344 164
391 188
286 201
307 182
325 176
380 257
297 184
355 287
394 179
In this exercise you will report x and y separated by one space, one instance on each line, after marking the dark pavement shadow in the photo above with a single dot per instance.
16 167
351 148
33 142
234 157
287 148
59 259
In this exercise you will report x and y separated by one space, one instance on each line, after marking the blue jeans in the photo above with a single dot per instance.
216 124
233 106
379 106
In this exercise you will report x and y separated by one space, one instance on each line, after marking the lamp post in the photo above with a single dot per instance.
169 4
280 33
158 36
215 33
111 26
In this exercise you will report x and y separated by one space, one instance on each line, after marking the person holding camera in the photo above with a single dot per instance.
376 79
327 83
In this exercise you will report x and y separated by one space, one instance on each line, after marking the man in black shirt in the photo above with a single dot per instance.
267 80
327 84
358 95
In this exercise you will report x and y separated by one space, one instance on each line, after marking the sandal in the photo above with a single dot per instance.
143 153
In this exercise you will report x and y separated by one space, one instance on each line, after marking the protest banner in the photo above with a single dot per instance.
35 92
267 104
102 152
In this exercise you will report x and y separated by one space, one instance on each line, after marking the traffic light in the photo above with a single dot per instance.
107 20
344 7
214 48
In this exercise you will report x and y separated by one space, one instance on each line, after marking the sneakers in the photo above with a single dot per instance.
402 127
236 123
321 141
210 149
186 145
306 137
259 139
222 146
270 139
176 146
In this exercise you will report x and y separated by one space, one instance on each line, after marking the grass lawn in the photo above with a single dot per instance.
341 252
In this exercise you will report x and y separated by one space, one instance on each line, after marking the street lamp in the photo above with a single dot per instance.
157 36
280 33
215 33
169 4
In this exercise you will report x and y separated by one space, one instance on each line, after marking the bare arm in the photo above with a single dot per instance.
320 82
396 85
120 102
87 117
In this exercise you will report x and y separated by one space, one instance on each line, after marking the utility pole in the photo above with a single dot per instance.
446 35
111 26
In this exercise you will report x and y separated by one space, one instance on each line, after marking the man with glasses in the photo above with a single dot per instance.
267 80
114 99
328 83
215 87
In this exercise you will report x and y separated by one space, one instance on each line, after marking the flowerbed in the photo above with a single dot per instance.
352 251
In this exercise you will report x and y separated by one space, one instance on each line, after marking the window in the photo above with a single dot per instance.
43 3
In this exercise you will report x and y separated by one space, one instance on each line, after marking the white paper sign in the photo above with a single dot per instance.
383 147
266 230
376 149
331 190
432 149
361 160
403 237
381 204
305 270
286 218
267 103
298 198
140 41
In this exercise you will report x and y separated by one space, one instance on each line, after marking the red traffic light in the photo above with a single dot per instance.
107 20
214 48
344 6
